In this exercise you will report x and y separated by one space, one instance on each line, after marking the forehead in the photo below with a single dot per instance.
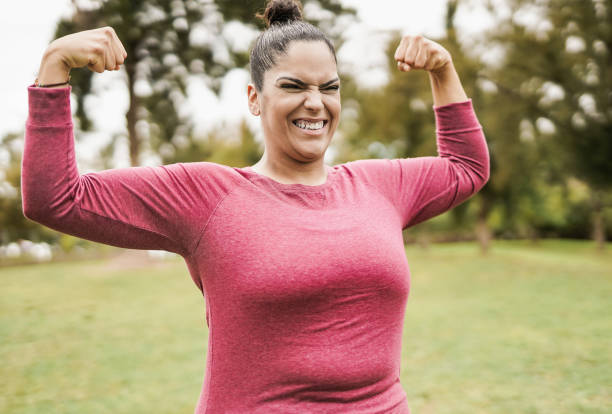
309 61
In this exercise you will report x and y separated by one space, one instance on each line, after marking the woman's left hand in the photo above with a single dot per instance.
417 52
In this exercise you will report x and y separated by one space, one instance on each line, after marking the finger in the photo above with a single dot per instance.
404 67
401 50
117 54
120 52
96 64
421 57
116 50
107 42
123 51
109 58
105 47
411 52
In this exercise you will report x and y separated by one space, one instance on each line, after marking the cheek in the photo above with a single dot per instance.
334 108
283 107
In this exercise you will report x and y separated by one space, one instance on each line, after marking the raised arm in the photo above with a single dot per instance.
423 187
159 208
462 166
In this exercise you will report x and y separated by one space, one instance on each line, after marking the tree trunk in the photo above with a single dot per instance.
598 230
483 233
132 116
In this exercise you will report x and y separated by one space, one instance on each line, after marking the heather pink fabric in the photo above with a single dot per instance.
305 286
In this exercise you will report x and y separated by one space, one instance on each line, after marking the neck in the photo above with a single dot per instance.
313 173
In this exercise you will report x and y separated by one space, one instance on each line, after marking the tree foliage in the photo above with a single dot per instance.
559 70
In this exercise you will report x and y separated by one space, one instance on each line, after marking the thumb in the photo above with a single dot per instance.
96 64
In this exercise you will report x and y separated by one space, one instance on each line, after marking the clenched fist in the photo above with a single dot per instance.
417 52
98 49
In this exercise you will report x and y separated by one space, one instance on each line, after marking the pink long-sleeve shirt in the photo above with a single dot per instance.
305 286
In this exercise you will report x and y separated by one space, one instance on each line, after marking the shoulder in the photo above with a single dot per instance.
205 167
371 169
207 174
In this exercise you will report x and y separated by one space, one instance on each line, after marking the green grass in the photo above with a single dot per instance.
526 329
82 338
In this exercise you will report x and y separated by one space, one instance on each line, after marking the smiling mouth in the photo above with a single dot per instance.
309 126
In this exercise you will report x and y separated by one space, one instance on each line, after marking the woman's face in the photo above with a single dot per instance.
299 103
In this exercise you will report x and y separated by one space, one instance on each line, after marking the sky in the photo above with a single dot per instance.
26 28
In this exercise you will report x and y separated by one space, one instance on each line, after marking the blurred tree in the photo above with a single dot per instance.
167 41
559 66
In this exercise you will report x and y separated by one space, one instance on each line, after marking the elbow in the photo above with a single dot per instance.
474 173
486 170
31 210
44 207
484 177
35 206
30 203
481 169
477 175
37 201
480 178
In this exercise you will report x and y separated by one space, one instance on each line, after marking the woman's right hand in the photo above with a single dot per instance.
98 49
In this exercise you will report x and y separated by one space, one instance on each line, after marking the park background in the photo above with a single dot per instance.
509 309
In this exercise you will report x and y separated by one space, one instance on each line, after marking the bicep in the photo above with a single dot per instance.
430 186
136 207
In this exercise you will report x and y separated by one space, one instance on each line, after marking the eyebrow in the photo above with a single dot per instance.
301 83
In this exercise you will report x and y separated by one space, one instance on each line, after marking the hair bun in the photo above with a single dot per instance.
281 12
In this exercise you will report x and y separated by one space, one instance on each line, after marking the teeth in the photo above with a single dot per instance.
309 125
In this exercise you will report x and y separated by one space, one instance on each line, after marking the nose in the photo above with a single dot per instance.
313 101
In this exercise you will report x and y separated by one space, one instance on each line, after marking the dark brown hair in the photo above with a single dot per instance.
284 23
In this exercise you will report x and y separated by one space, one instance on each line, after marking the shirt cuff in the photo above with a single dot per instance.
456 116
49 106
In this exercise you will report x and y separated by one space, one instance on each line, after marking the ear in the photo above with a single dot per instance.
253 99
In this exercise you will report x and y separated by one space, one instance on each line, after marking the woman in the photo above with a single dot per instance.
301 264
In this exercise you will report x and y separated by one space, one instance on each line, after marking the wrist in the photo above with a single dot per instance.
446 86
53 69
444 73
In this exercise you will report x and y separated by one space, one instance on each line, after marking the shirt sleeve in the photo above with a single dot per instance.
424 187
158 208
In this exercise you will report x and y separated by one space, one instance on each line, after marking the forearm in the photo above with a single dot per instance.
446 86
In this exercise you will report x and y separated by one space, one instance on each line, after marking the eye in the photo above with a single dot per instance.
289 86
332 88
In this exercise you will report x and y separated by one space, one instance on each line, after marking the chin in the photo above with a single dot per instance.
310 152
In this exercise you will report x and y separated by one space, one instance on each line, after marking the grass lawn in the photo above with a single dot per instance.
526 329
